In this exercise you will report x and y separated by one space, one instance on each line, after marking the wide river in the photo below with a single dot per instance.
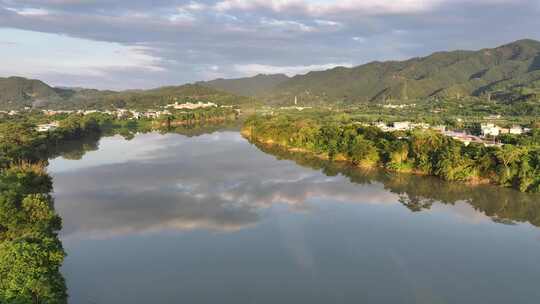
214 219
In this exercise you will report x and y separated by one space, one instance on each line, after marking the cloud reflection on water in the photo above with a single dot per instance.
217 182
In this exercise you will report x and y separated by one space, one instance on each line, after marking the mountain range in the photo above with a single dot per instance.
487 72
18 92
443 74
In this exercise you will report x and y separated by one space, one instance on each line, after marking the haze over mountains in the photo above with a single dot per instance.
443 74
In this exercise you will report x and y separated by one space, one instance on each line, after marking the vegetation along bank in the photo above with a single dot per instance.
414 151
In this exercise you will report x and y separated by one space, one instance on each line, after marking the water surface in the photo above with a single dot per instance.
214 219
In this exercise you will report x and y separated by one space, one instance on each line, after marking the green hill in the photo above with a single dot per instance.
251 86
444 74
18 92
145 99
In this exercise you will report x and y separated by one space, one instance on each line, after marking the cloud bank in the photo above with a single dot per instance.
166 42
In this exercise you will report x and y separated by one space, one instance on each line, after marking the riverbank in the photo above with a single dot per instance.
419 152
342 158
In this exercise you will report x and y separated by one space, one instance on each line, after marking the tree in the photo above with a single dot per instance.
452 165
363 152
30 271
508 157
424 145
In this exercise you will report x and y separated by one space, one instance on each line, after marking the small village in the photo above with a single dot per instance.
126 113
489 131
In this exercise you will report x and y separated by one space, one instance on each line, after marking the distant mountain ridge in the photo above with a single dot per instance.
250 86
441 74
19 92
510 67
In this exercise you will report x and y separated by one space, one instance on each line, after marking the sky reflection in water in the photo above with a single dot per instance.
167 219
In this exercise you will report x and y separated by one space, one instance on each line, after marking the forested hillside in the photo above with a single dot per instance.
509 69
18 92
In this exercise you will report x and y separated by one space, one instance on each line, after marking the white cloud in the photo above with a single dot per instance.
324 7
72 56
29 11
253 69
195 6
182 15
282 33
329 23
287 25
331 7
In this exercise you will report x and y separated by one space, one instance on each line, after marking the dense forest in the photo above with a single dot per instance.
425 152
31 253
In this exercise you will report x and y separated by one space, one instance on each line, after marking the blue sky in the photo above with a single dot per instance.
121 44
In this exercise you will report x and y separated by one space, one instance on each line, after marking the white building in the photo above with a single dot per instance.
421 125
399 106
490 129
295 108
381 125
53 112
191 106
402 125
150 114
47 127
154 114
517 130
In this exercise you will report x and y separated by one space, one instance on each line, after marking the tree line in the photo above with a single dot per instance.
31 252
416 151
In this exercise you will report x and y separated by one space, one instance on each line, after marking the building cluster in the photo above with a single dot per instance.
406 126
127 113
48 126
467 139
399 106
10 113
192 106
488 130
295 108
491 129
123 113
118 113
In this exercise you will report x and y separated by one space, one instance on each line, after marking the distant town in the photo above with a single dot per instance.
122 113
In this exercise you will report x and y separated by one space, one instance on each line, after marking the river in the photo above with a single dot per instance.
169 218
